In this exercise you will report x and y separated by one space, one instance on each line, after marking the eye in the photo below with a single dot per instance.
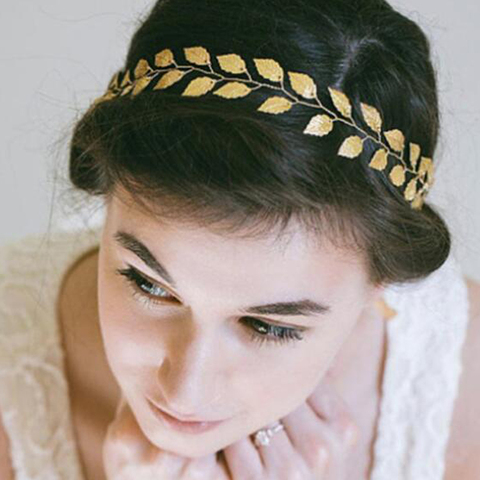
145 288
151 293
266 332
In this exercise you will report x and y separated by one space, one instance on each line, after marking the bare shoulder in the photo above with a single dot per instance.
462 459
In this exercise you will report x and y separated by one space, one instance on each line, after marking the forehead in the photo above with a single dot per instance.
293 262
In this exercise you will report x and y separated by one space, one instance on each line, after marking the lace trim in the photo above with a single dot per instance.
421 376
34 398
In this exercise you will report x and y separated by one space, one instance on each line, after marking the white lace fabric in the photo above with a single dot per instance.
420 381
421 376
34 398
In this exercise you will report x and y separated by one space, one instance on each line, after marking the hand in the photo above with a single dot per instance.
318 437
129 455
313 446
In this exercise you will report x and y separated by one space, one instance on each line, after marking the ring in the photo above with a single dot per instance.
263 436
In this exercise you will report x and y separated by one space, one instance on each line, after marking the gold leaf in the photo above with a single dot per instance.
411 189
431 177
341 102
379 160
199 86
418 202
397 175
414 154
164 58
303 84
103 98
372 117
395 139
424 189
232 63
114 81
127 90
109 96
171 77
197 55
352 147
319 125
233 90
275 105
426 165
140 84
126 79
269 69
142 68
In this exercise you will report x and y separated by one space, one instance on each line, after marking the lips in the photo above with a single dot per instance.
185 419
185 426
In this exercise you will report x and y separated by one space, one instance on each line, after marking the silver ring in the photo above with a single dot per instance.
263 436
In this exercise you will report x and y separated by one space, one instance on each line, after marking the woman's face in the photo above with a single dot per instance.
173 306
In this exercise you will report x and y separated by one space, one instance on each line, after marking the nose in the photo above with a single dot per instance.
191 377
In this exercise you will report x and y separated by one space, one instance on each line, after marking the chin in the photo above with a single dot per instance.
192 446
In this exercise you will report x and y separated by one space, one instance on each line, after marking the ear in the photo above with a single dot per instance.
379 301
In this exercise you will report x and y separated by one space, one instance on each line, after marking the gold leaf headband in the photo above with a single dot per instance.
319 125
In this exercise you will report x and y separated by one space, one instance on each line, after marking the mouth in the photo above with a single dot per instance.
181 426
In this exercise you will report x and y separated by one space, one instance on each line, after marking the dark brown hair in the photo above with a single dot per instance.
223 165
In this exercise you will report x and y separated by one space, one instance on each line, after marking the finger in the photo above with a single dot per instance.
123 436
278 448
280 459
313 438
326 402
242 459
127 452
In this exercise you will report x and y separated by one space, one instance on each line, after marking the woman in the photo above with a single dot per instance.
267 259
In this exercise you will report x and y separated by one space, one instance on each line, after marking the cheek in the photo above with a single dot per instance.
129 339
277 390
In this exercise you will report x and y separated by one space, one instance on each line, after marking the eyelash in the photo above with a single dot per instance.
273 334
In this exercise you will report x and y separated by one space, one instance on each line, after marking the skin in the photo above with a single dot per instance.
314 445
355 374
193 353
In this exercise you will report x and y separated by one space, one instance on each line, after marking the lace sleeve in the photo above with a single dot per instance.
34 397
421 376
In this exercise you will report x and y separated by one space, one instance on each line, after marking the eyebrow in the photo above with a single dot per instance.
302 307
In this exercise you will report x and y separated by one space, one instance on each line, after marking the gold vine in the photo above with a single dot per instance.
303 85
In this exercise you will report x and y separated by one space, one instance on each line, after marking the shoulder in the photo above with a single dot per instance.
462 459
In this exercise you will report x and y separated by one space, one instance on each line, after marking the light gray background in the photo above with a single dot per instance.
56 56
